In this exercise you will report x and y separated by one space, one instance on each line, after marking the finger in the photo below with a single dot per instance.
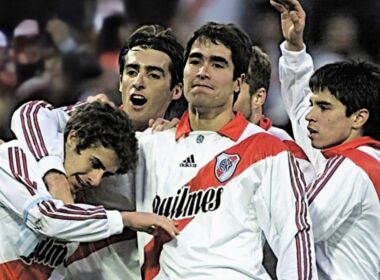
294 16
169 227
151 122
174 122
294 5
279 7
159 127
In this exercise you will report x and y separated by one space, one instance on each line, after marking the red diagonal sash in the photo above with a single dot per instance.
253 150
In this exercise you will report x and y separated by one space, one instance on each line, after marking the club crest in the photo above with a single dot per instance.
225 166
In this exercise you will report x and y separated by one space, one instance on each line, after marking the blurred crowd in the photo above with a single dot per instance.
63 51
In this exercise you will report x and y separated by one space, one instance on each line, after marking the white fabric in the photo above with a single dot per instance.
224 239
117 260
25 202
346 210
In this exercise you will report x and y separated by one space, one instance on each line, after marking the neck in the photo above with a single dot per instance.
209 120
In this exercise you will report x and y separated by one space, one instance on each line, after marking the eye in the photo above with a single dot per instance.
193 61
131 72
155 76
218 65
323 107
96 164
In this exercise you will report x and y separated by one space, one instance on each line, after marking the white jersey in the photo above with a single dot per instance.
40 127
227 190
344 203
295 70
34 227
304 163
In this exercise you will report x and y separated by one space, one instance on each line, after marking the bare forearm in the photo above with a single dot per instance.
58 186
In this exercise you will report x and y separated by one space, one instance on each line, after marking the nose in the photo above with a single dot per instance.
95 177
203 72
139 82
310 116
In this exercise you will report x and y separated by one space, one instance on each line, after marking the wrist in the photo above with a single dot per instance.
294 46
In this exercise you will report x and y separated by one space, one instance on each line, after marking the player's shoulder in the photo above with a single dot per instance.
14 145
149 137
263 141
280 133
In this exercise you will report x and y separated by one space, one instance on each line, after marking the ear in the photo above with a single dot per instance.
258 98
71 140
238 82
360 117
177 91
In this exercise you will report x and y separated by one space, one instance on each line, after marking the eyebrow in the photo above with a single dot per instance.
149 68
132 65
213 58
321 102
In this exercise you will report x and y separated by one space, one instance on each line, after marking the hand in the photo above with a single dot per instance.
161 124
293 19
100 97
1 142
58 186
149 223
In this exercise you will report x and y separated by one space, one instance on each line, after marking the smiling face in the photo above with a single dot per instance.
328 124
86 168
145 86
208 77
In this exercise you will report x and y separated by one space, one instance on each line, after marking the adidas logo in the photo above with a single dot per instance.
188 162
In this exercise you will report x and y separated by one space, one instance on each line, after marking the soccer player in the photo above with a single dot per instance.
151 71
225 181
37 230
250 102
335 117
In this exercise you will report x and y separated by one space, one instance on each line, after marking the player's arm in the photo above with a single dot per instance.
295 69
39 126
283 215
23 193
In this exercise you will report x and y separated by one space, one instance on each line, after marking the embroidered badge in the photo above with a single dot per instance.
225 166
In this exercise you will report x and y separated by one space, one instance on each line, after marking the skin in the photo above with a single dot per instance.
328 124
209 85
87 168
250 105
146 74
293 18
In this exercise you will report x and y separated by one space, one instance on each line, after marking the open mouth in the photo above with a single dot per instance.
138 100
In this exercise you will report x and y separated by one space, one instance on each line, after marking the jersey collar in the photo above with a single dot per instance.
265 123
353 144
232 130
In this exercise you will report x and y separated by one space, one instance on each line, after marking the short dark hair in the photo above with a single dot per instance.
229 35
101 124
357 85
259 70
158 38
